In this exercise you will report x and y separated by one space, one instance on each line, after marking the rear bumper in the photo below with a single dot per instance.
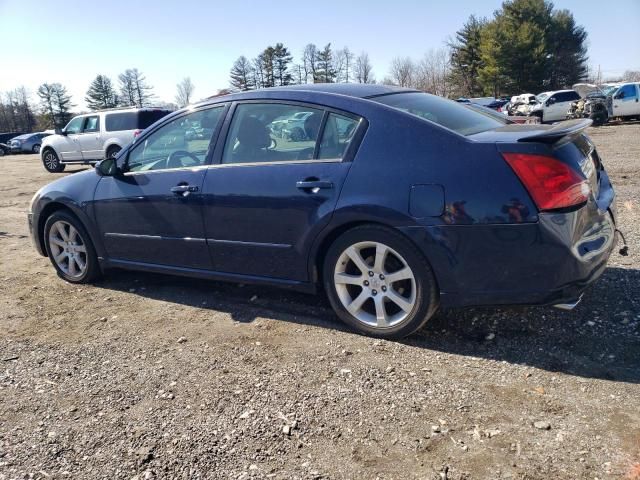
548 262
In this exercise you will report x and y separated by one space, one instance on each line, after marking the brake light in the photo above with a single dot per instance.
551 183
136 133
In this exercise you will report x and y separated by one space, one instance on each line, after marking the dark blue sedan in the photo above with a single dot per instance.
394 202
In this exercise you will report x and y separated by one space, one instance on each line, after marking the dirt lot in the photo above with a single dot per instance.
148 376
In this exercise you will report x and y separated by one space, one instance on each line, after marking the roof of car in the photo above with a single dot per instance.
359 90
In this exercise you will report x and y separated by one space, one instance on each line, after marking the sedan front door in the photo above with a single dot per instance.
271 192
152 213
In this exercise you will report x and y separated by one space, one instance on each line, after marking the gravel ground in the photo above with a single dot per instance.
148 376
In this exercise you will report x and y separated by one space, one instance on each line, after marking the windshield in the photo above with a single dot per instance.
608 89
542 97
447 113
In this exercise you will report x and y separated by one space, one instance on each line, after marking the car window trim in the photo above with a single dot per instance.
170 118
363 124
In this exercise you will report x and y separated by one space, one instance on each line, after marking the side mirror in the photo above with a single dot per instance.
619 95
108 168
60 131
551 101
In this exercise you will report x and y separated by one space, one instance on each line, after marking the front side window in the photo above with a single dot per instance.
92 124
181 143
447 113
270 132
75 125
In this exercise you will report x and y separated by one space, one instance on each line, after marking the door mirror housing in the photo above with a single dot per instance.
619 95
60 131
108 168
551 101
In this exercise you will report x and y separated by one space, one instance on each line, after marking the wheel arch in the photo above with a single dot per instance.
55 206
322 245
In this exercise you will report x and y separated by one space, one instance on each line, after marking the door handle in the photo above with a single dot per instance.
313 185
184 190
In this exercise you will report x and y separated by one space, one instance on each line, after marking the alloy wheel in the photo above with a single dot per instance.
68 249
36 149
375 284
50 160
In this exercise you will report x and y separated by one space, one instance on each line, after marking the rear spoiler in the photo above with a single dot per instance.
558 131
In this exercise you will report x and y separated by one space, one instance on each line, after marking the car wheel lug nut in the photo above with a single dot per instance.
371 274
384 289
381 277
374 292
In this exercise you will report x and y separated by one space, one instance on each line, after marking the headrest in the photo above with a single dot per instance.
312 125
253 134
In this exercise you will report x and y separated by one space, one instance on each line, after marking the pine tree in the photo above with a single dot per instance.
101 94
282 59
325 73
466 57
242 75
567 51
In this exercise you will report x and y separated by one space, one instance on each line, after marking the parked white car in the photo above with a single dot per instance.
625 100
94 136
553 106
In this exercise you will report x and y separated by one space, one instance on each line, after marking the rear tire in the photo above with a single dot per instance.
379 283
70 249
52 162
36 148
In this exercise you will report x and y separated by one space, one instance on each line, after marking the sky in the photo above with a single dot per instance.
71 42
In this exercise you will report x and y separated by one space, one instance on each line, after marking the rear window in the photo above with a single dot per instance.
452 115
133 120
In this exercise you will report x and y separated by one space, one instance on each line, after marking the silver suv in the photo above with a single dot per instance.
94 136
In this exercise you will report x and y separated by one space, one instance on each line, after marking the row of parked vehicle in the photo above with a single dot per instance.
597 102
583 100
26 143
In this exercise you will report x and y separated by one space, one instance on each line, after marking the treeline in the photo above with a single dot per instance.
527 46
275 66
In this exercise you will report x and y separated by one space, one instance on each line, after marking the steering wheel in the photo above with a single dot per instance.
175 160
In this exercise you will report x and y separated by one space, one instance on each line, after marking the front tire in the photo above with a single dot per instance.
379 283
70 249
51 162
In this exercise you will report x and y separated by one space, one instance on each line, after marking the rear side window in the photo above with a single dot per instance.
628 91
92 124
120 121
132 120
447 113
336 137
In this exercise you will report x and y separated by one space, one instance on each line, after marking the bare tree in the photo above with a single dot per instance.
363 70
309 62
631 76
185 92
403 71
134 89
433 73
343 65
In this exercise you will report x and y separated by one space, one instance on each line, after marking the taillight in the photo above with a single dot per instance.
136 133
551 183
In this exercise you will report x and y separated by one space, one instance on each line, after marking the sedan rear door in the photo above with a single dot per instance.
270 193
